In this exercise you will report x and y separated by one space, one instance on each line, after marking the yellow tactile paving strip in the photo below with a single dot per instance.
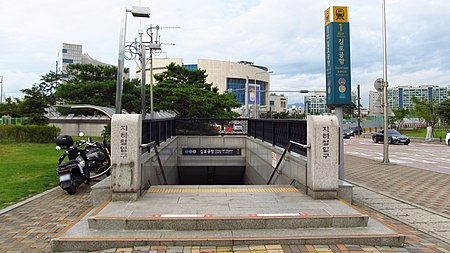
207 190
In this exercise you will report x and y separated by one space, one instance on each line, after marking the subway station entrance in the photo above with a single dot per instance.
161 193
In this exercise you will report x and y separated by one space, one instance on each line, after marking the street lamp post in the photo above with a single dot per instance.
247 113
256 109
1 90
143 12
385 85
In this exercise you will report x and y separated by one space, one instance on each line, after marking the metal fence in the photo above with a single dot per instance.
274 131
157 130
6 120
279 132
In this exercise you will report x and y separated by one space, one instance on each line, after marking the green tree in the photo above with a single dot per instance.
48 84
399 115
426 110
33 105
10 107
186 93
96 85
79 73
349 110
443 111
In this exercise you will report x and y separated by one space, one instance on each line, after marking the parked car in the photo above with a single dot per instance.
355 131
447 138
237 127
347 134
394 137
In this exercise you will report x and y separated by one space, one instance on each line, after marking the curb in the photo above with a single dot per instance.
431 233
10 208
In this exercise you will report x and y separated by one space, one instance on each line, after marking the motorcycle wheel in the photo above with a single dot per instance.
71 190
88 177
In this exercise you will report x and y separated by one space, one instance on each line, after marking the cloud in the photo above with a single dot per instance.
287 36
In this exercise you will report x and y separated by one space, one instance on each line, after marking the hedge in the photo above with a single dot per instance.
29 133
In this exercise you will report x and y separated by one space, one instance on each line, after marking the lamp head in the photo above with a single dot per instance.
141 12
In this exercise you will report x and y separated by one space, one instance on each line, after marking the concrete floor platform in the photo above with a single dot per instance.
223 215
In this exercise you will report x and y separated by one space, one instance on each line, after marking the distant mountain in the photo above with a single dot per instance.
296 105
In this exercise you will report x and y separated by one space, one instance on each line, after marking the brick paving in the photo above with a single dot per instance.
29 228
426 188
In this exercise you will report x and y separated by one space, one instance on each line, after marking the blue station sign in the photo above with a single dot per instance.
337 56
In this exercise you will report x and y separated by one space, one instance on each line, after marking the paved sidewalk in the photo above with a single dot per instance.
30 227
426 188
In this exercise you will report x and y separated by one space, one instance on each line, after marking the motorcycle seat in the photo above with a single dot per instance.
98 155
69 162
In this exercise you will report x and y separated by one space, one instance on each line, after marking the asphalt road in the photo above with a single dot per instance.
426 156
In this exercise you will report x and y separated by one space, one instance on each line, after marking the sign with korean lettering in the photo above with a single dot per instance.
337 56
325 142
211 151
123 141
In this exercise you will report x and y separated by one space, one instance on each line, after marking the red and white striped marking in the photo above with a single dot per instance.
182 215
277 214
210 215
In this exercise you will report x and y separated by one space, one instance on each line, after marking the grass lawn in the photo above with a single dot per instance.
422 132
26 169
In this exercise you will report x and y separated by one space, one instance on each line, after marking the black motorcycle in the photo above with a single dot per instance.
84 157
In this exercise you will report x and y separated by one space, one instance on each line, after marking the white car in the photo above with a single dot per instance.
237 127
447 138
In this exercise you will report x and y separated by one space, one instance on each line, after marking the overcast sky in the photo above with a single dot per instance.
287 36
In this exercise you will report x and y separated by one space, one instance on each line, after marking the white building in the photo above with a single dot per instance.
296 110
227 77
401 96
316 103
278 103
73 54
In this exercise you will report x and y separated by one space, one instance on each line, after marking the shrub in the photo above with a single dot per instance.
28 133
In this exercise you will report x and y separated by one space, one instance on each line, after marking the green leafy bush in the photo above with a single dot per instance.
28 133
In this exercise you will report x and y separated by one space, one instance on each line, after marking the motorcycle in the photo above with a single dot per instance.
83 157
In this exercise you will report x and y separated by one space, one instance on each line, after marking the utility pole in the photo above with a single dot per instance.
359 110
155 44
143 67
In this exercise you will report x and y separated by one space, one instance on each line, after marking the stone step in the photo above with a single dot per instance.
210 222
80 238
223 216
224 207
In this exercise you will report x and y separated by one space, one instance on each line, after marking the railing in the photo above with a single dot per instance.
211 126
279 132
157 130
6 120
275 131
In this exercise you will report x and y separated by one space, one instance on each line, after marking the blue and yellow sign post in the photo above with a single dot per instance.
337 56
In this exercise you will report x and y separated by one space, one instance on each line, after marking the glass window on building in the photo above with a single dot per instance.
191 67
263 89
237 86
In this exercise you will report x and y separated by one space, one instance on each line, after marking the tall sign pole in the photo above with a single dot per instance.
338 72
385 97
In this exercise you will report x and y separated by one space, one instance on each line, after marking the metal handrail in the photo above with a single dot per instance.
151 145
288 147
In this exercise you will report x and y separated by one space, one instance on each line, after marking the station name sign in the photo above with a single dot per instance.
211 151
337 56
